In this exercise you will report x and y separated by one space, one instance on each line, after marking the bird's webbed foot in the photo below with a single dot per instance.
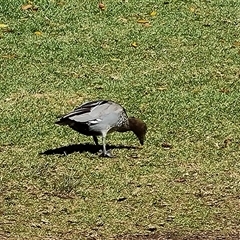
105 154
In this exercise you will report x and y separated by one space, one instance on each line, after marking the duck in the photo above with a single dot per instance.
101 117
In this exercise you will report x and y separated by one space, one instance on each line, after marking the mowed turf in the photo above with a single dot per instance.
174 64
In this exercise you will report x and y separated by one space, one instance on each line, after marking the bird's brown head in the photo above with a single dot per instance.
139 128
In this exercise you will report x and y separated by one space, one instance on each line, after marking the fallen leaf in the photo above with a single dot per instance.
115 59
142 21
10 56
207 25
73 221
99 224
61 3
27 6
227 142
38 33
152 228
192 9
123 19
2 25
35 8
180 180
36 225
166 145
104 46
134 156
161 88
236 44
143 106
44 220
224 90
153 13
114 77
147 25
136 191
170 218
99 87
101 6
134 44
121 199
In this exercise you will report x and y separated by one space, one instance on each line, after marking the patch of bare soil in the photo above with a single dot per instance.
181 236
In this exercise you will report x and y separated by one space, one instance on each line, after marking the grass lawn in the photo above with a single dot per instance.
173 63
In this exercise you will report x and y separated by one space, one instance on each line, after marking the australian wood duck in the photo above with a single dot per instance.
97 118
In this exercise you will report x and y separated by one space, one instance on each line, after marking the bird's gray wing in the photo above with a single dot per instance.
82 109
95 112
106 112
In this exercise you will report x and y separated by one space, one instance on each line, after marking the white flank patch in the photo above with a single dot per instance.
95 121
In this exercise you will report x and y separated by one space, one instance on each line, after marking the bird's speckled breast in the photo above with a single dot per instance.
122 124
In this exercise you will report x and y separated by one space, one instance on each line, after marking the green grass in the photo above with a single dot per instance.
182 78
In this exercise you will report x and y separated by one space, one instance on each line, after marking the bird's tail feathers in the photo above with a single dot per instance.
61 121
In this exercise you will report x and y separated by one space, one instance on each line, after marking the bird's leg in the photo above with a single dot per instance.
95 140
105 153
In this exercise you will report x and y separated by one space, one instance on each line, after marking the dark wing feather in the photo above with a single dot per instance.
77 112
90 105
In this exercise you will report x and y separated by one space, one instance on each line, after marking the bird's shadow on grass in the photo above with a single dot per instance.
87 147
